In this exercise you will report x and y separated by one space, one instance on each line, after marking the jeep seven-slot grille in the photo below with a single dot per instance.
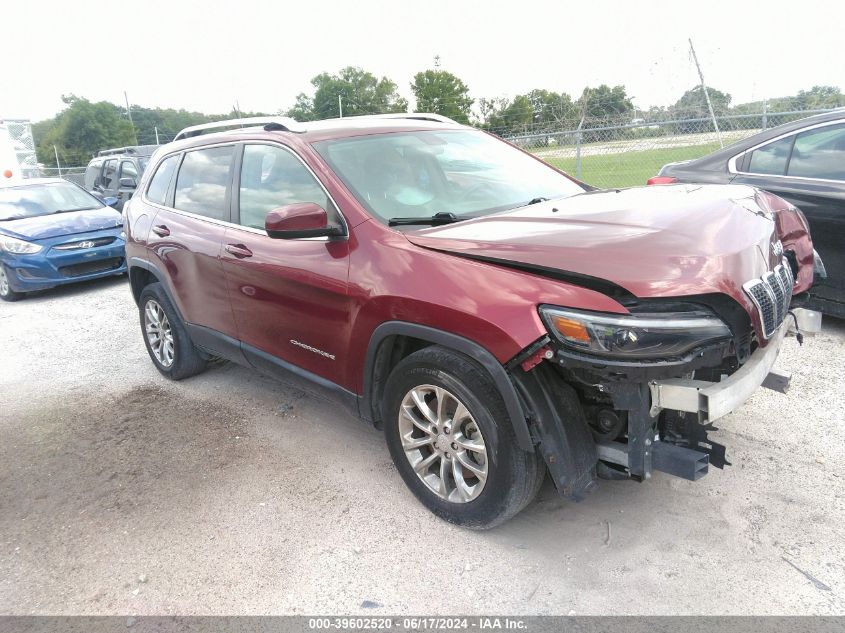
771 295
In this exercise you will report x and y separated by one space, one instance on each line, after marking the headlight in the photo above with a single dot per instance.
18 247
652 335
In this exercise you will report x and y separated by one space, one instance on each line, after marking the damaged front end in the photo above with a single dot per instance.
620 396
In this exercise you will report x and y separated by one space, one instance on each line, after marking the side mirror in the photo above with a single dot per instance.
110 201
128 183
305 219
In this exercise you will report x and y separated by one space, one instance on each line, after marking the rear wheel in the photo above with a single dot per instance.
168 343
449 435
6 292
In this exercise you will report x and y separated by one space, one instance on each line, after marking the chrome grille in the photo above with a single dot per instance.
84 244
771 295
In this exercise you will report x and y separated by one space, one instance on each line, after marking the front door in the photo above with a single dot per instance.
289 297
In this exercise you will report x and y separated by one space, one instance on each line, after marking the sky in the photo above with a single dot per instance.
206 56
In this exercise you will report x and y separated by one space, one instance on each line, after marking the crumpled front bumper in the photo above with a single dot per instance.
713 400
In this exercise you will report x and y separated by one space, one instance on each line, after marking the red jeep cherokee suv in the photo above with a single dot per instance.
498 319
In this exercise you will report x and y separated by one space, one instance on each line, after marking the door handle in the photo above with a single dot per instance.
238 250
161 230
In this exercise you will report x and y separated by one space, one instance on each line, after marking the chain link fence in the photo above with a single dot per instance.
73 174
628 154
19 132
605 153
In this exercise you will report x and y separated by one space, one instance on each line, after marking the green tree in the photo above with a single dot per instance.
605 104
819 97
693 103
360 92
441 92
81 130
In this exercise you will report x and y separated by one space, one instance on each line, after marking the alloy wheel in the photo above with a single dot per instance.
159 332
443 443
4 283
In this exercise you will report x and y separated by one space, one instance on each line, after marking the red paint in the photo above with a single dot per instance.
305 216
330 294
661 180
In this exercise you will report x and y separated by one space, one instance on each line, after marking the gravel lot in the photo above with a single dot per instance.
230 493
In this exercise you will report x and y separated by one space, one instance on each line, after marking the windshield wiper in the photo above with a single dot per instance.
438 219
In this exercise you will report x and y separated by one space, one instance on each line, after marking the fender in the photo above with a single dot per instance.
460 344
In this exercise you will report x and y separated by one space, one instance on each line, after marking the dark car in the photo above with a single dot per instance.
53 232
802 162
114 173
498 319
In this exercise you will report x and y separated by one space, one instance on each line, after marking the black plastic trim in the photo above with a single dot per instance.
301 378
159 275
460 344
216 343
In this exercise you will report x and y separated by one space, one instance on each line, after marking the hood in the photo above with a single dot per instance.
58 224
664 241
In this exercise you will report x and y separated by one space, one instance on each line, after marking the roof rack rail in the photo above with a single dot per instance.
129 149
418 116
279 123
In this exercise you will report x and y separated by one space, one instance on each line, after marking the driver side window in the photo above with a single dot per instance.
272 177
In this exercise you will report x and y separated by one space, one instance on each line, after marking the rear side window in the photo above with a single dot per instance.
157 191
203 180
771 158
819 153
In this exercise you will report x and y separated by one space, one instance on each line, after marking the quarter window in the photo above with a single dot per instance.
272 177
819 153
771 158
203 181
160 183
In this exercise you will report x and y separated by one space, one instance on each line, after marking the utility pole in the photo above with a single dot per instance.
129 113
706 94
56 152
156 129
340 106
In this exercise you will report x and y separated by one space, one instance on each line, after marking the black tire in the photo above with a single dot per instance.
514 476
6 292
187 360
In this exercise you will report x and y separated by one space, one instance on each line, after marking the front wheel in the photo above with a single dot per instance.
6 292
450 437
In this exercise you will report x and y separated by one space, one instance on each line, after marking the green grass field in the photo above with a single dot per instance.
628 169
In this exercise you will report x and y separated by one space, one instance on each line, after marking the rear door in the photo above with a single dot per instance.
107 184
808 169
290 297
187 235
128 171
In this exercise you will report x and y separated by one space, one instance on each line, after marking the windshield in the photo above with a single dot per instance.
29 201
419 174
